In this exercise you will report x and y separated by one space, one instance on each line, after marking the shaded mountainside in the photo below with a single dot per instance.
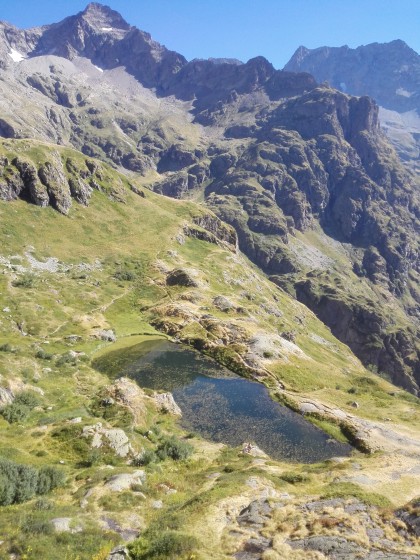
298 169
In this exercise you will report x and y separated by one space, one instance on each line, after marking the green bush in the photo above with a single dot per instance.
37 526
350 490
15 412
19 483
294 478
148 456
125 275
42 355
42 504
27 398
174 448
25 281
48 479
66 358
20 408
6 347
165 546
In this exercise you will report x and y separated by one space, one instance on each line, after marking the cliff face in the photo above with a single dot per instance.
274 154
387 72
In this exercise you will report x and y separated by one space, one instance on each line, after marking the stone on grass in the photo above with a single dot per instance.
125 481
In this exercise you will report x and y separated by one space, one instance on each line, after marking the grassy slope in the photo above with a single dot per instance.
138 236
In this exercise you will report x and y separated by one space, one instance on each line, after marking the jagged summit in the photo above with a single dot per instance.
103 17
388 72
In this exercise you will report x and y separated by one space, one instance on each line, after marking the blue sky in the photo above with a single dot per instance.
245 28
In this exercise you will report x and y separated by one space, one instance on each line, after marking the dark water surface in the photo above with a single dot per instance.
221 406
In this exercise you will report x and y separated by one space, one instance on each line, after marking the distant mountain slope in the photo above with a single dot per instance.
271 152
387 72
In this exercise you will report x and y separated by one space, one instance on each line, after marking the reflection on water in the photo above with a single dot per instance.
221 406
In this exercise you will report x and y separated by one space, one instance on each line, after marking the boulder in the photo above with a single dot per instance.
65 525
181 277
125 481
166 403
114 438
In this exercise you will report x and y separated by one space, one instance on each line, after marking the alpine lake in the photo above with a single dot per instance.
218 404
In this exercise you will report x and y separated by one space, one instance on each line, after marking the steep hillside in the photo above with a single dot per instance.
92 262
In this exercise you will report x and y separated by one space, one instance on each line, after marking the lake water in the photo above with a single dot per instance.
221 406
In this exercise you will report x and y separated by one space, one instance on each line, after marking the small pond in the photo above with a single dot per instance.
219 405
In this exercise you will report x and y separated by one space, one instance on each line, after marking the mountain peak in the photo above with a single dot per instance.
103 17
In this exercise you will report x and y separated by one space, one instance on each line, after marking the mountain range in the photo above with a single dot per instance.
268 218
273 153
387 72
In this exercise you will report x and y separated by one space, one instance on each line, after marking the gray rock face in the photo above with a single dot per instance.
6 396
411 517
11 184
66 525
336 548
166 402
119 553
255 514
54 179
388 72
37 191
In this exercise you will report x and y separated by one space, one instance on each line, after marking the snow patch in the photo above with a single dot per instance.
106 28
97 68
403 92
16 56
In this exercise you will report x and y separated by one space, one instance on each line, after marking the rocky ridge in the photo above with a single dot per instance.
387 72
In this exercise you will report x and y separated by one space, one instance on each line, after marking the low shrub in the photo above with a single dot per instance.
350 490
66 358
174 448
15 412
48 479
42 355
167 545
36 526
25 281
148 456
125 275
294 478
27 398
19 483
19 409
